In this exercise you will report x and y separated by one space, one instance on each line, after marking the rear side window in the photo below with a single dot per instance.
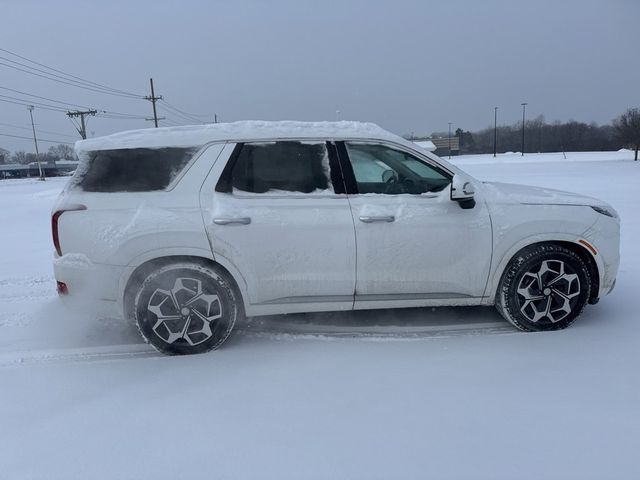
132 169
280 167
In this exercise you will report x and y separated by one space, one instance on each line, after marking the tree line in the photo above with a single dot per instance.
54 153
540 136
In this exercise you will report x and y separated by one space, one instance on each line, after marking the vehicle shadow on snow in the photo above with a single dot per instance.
376 324
55 326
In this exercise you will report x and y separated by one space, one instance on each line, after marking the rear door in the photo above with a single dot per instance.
279 216
414 245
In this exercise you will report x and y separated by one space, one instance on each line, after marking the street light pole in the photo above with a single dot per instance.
524 108
449 140
35 141
495 131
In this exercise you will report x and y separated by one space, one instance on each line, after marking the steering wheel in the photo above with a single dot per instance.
409 185
390 185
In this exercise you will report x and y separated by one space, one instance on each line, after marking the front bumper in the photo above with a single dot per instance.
604 235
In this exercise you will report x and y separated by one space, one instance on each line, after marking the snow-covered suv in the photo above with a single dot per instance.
184 230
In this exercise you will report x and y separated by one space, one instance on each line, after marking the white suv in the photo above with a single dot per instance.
186 229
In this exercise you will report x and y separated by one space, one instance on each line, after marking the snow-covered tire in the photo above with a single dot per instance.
544 287
185 308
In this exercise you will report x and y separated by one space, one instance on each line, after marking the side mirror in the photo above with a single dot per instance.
462 191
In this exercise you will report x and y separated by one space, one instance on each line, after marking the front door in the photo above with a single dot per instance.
414 245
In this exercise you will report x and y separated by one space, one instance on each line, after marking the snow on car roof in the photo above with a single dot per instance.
197 135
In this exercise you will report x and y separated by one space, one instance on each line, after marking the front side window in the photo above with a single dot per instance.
276 167
381 169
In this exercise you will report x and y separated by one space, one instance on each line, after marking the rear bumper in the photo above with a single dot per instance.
87 286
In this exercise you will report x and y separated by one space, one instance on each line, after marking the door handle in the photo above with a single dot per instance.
379 218
232 221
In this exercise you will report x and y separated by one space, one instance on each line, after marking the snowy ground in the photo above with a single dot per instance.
447 393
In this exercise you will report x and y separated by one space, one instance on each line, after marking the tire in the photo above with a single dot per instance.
545 287
186 308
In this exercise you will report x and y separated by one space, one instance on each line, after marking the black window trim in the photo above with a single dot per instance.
347 168
348 175
224 184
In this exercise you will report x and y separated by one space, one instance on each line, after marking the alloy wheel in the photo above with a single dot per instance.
185 313
548 292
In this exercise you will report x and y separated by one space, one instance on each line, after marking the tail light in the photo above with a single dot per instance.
54 223
62 288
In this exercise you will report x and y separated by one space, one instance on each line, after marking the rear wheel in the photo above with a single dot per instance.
545 287
186 308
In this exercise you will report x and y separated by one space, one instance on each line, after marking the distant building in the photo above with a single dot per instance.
426 144
16 170
439 145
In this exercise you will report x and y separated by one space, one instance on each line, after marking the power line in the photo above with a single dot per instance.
26 103
177 120
43 98
182 118
172 123
31 139
39 130
119 116
68 74
182 111
79 82
76 84
192 117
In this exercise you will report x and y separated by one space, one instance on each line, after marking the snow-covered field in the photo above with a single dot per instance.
446 393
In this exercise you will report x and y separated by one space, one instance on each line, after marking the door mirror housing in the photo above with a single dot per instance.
462 191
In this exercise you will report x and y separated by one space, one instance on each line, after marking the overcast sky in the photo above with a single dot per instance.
410 66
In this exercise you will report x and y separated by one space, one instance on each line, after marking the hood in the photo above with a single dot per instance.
513 193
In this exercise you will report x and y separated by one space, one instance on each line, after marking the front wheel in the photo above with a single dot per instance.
185 308
545 287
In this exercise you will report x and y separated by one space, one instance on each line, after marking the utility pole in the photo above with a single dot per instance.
83 126
495 131
153 99
449 140
524 108
35 141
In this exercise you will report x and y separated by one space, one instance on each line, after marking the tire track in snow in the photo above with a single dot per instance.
17 295
77 355
285 333
375 333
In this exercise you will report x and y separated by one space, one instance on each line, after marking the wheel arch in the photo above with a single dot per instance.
572 245
141 271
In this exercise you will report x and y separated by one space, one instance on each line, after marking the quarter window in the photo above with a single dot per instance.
282 167
381 169
131 169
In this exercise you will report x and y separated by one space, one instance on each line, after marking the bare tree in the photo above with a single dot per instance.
627 129
19 156
4 155
61 152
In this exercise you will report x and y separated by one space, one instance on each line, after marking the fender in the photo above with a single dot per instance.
503 261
